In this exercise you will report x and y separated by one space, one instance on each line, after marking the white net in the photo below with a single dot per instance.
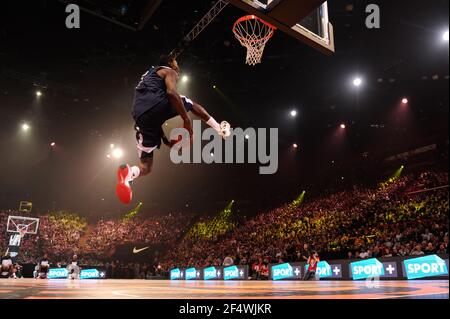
253 33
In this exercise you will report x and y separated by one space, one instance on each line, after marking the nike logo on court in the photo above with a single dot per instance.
137 251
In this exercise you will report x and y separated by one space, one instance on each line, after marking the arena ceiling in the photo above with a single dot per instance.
87 78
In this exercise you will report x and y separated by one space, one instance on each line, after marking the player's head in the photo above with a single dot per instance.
170 61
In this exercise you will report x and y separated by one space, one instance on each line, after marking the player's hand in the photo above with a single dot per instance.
188 126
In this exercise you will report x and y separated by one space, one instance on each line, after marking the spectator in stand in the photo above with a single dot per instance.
376 252
42 268
430 250
7 269
257 267
364 254
441 250
417 251
395 252
264 271
304 253
228 261
387 252
144 271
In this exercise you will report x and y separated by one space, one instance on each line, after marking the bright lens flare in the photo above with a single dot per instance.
117 153
445 36
357 82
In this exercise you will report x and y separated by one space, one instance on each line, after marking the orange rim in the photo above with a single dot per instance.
253 17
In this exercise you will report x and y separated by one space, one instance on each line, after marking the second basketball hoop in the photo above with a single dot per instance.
253 33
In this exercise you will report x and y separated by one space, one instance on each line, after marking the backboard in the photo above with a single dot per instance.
306 20
16 224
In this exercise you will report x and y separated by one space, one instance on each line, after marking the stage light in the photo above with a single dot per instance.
185 79
123 9
111 146
38 93
52 144
445 36
214 87
343 126
295 145
293 113
25 127
405 100
117 153
357 82
108 156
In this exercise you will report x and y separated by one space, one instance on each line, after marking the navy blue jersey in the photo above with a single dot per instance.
150 92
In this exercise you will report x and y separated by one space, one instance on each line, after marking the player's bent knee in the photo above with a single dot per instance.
145 171
146 168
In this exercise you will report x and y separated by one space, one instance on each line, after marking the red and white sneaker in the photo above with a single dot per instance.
123 189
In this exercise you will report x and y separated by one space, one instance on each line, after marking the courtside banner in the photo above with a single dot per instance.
193 274
213 273
369 268
427 266
286 271
177 274
92 274
390 268
61 273
235 273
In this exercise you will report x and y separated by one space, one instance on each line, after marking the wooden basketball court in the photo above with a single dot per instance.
165 289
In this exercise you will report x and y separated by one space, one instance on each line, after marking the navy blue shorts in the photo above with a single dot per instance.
149 126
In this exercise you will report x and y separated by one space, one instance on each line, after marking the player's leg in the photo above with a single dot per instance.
223 128
145 166
148 137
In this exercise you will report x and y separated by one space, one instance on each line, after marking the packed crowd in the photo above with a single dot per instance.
3 220
109 233
60 232
63 234
383 221
402 217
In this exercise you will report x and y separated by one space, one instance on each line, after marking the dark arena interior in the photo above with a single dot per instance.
332 185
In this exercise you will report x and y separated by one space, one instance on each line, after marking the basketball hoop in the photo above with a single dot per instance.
253 33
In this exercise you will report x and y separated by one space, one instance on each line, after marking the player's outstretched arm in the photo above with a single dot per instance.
170 77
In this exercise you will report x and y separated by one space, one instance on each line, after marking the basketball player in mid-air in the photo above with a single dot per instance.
156 101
